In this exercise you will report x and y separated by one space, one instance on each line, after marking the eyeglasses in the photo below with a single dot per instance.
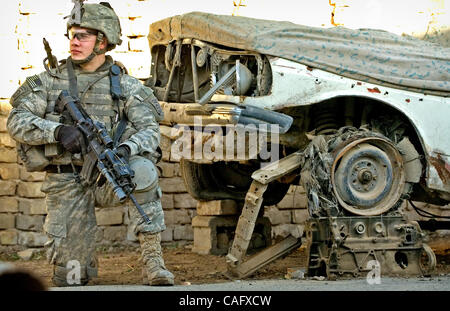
81 36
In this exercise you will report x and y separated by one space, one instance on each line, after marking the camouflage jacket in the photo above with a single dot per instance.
34 101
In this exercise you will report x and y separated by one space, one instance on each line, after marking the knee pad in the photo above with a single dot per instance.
146 180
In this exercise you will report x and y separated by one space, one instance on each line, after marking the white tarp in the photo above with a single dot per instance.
368 55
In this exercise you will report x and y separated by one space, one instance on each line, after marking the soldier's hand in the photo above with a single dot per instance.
123 152
70 137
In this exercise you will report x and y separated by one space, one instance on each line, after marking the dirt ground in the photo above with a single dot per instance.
123 266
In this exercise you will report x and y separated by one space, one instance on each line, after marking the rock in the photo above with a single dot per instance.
26 254
318 278
295 273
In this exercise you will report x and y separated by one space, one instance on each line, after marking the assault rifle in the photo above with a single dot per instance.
100 155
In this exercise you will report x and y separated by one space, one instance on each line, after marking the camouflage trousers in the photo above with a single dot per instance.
71 223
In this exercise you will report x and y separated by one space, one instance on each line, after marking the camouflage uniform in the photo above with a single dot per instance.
71 222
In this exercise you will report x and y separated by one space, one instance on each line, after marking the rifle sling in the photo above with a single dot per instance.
73 87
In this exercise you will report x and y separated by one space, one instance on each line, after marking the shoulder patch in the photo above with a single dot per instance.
23 90
34 82
145 94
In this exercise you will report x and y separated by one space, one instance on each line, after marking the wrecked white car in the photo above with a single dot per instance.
360 118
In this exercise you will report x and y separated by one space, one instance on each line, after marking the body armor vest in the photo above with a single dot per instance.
94 92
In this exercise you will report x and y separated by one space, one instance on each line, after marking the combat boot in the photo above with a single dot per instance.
154 271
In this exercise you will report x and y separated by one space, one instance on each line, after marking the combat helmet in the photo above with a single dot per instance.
100 17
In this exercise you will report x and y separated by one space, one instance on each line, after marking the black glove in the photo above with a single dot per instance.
70 137
124 152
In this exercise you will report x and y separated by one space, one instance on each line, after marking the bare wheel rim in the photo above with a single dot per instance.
367 176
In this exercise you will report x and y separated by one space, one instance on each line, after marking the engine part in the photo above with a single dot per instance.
368 176
345 246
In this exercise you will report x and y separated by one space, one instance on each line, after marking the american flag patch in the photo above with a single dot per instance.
34 81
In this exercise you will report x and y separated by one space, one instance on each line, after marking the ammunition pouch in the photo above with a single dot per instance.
33 157
37 157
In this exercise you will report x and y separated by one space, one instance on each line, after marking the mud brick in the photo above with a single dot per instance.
177 170
167 201
167 235
299 216
169 217
126 214
183 233
32 239
8 155
165 155
3 120
285 230
168 169
109 216
9 205
210 231
293 189
29 223
99 235
294 200
30 176
7 221
169 132
172 217
172 185
217 207
7 187
32 206
165 145
5 107
184 200
301 200
277 216
115 233
30 189
192 213
9 171
182 217
205 233
8 237
6 140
